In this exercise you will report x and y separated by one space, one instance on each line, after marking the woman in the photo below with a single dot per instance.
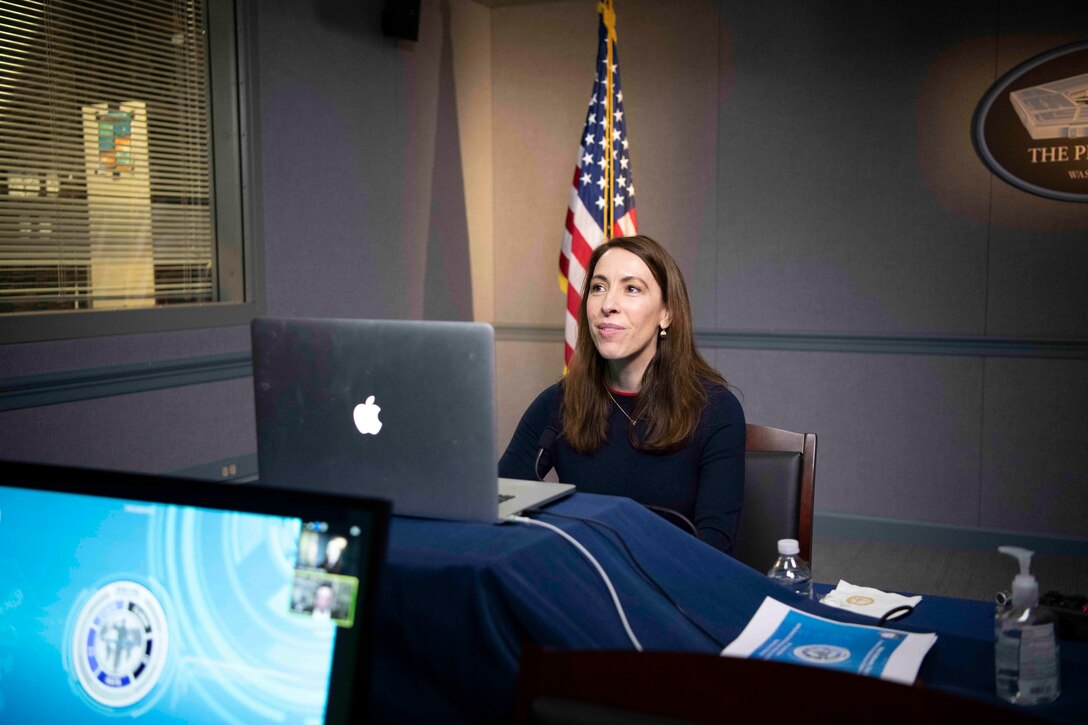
639 413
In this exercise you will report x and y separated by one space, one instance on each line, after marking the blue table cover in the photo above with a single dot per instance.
458 600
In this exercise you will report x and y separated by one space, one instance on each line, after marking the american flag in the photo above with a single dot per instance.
597 197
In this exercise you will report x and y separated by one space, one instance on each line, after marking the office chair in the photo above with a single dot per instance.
779 480
779 483
578 687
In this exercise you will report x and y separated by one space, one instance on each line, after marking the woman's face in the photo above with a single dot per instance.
625 309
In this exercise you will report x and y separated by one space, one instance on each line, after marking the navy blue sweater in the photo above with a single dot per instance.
703 480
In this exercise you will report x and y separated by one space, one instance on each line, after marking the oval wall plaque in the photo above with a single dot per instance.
1031 127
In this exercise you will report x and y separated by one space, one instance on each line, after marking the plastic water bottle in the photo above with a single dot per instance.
790 570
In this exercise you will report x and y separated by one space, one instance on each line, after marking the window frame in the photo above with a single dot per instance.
235 208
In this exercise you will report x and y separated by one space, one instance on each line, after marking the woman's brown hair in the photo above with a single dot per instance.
673 393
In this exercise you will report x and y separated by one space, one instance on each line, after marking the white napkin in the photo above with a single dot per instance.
866 600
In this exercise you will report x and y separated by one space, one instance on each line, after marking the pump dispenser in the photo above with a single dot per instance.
1025 590
1026 652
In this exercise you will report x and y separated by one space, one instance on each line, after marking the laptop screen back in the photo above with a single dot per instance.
398 409
174 601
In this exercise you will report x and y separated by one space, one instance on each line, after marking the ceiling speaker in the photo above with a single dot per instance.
400 19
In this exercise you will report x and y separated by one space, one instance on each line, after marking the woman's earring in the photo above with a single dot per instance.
662 333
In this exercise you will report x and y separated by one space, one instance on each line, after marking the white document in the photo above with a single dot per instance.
780 632
866 600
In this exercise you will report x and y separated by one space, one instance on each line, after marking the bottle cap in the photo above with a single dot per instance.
1025 590
788 547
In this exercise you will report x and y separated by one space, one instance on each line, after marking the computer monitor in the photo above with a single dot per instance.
168 600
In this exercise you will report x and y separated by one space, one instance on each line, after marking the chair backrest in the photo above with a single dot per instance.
779 480
568 687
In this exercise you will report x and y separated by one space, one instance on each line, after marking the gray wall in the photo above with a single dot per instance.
347 121
809 164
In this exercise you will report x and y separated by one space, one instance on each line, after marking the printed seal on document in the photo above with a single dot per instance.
821 654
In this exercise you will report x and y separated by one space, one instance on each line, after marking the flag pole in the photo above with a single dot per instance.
609 14
602 170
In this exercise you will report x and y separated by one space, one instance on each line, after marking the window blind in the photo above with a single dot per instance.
106 196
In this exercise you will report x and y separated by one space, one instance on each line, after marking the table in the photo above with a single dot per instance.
458 600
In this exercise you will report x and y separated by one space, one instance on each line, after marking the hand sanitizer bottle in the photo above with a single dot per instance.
1026 651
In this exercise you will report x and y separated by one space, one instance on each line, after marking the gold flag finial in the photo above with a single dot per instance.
604 7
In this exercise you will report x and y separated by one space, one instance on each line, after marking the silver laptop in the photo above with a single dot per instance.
403 410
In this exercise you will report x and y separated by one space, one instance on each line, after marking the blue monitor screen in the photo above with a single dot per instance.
115 607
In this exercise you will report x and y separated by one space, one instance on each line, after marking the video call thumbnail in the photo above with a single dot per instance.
324 587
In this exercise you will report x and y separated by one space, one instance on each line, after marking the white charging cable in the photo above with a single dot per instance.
596 565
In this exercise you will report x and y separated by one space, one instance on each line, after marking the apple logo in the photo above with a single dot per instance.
366 417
